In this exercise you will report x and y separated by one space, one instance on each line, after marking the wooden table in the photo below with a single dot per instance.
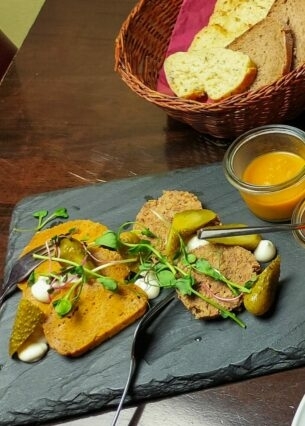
67 120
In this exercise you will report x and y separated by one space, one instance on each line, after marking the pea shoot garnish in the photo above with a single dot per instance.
176 272
44 217
77 274
137 249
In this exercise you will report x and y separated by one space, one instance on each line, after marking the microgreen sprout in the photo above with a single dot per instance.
44 218
64 305
177 272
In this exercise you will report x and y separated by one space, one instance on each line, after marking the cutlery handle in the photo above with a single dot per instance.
145 320
206 233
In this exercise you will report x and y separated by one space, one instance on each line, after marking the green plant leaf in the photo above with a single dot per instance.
108 283
62 306
109 240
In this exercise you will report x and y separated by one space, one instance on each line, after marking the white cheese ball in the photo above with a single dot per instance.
148 283
34 351
265 251
40 289
195 243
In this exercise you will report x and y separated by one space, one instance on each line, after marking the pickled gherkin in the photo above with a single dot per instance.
262 295
249 242
184 224
27 319
72 249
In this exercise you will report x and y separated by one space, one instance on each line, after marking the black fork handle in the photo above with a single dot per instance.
144 322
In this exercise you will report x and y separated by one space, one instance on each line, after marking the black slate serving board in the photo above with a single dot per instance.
183 354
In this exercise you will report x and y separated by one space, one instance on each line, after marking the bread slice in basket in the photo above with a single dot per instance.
292 12
269 44
229 20
217 73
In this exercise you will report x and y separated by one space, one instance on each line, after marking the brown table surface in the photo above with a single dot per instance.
67 120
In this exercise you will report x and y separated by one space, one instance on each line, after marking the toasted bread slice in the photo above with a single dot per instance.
270 46
218 72
229 20
235 263
157 214
99 313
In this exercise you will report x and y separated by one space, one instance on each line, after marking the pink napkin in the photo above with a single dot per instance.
193 16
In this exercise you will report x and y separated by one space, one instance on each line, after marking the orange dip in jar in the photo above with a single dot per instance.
267 166
269 170
273 168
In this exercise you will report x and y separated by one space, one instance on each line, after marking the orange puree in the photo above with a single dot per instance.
273 168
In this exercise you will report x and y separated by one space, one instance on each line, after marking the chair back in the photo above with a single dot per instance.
7 53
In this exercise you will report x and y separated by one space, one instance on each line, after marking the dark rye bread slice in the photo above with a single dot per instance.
269 44
235 263
157 214
292 12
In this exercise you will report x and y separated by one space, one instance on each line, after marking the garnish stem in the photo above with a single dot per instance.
224 312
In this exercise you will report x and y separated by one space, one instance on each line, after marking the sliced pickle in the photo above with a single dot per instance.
249 242
28 318
262 295
129 237
72 249
184 224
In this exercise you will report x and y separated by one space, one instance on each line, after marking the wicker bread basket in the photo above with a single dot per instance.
140 50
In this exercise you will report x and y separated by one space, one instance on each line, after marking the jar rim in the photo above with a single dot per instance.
244 138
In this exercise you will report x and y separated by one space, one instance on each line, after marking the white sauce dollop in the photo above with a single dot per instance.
265 251
195 243
148 283
40 289
34 351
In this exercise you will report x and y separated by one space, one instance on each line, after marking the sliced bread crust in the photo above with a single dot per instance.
292 12
217 72
235 263
99 313
157 214
229 20
269 44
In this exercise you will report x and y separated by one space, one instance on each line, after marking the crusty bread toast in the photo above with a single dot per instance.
99 313
269 44
217 72
157 214
236 263
229 20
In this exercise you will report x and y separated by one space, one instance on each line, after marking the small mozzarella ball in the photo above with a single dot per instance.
149 284
195 243
265 251
33 352
40 290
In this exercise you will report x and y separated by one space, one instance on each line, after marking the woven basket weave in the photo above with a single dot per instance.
140 50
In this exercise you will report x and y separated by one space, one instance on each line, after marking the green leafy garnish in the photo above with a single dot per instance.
177 272
108 239
65 305
44 219
108 283
204 267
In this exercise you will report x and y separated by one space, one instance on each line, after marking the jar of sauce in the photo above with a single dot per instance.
267 166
